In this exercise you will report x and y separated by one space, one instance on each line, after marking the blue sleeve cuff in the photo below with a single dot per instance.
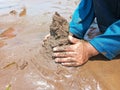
108 43
100 48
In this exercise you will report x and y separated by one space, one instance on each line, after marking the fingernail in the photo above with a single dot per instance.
70 37
63 64
56 60
54 49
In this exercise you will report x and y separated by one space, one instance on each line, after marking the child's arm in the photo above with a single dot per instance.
82 18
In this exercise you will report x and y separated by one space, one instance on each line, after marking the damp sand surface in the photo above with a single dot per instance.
23 64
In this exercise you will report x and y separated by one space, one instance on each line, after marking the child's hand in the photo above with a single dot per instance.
75 54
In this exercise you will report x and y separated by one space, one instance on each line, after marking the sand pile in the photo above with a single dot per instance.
57 76
58 34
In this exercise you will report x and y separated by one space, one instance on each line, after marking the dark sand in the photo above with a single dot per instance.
24 64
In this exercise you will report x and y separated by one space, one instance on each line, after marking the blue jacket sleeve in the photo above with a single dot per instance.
108 43
82 18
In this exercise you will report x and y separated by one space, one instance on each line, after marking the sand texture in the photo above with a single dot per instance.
58 34
27 64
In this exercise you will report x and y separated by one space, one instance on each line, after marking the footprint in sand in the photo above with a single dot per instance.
8 33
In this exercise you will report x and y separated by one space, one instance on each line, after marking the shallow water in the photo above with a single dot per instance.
22 66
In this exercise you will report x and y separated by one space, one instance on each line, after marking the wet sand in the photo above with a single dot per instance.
23 68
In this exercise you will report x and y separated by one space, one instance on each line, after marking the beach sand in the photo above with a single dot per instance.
23 68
